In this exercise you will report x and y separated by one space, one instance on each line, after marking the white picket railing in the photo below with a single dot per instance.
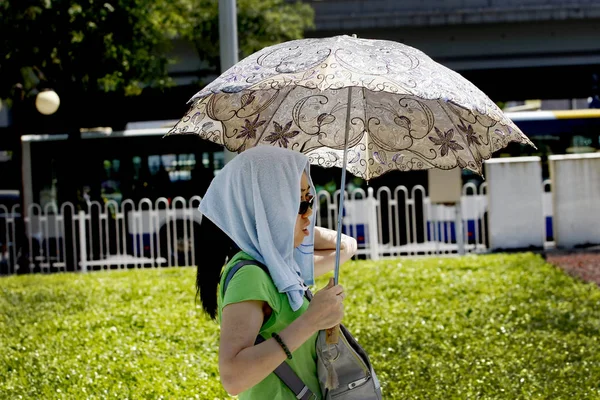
161 233
9 220
403 222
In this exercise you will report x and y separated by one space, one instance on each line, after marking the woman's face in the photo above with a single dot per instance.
302 220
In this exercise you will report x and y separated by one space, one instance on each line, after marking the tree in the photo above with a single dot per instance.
261 23
82 46
121 46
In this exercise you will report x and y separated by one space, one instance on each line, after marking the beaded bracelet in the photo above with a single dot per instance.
285 348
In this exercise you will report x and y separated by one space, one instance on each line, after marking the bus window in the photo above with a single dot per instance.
205 160
154 164
137 165
218 161
186 163
581 144
110 185
179 166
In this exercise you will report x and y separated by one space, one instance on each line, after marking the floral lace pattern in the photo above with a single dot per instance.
407 112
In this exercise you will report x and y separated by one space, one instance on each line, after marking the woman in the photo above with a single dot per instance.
261 204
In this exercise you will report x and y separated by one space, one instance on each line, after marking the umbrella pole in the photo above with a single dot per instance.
332 334
342 191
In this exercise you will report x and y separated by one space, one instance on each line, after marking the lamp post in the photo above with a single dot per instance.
228 40
228 34
47 102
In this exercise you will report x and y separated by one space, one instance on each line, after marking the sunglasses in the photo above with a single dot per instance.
305 205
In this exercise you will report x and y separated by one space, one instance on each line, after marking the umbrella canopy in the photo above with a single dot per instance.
390 105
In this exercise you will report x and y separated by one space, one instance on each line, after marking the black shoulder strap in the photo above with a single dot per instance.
283 371
308 294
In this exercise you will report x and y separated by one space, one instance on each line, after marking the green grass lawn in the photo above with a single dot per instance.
478 327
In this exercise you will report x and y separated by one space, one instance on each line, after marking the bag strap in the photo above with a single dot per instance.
283 371
308 294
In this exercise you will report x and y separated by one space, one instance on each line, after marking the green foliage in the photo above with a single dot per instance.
89 45
477 327
122 45
261 23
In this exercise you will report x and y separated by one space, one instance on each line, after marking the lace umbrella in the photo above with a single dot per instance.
370 106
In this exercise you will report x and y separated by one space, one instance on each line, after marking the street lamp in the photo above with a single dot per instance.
47 102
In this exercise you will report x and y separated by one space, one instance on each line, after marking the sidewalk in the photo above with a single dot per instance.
580 263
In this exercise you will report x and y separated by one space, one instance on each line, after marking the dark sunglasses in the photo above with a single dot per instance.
305 205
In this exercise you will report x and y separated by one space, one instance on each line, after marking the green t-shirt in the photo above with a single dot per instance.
252 283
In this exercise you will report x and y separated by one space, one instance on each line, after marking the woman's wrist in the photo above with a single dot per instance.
309 321
298 332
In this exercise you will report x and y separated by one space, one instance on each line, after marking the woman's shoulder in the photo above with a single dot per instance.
250 282
242 269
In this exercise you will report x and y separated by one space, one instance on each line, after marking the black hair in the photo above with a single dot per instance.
215 250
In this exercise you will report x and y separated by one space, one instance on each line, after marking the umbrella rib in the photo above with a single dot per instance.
273 115
342 188
461 135
366 133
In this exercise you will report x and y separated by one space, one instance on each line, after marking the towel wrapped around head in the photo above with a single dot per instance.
254 199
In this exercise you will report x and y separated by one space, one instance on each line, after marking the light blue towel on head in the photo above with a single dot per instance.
254 199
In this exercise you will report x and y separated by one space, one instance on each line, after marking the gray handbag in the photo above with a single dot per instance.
344 369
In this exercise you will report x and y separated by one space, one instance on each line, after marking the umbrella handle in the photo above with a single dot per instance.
332 335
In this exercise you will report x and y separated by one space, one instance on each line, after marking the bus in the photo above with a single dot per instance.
556 132
139 162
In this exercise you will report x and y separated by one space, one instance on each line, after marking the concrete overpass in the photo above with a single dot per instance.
511 49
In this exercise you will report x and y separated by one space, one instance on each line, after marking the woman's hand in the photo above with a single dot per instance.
326 309
349 245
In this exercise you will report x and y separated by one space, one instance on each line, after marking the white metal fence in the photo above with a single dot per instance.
386 222
397 222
